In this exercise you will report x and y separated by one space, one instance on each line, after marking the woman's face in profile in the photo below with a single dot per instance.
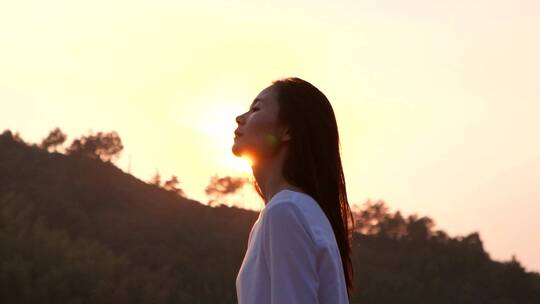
258 131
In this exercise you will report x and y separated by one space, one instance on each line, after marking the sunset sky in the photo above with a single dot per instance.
437 102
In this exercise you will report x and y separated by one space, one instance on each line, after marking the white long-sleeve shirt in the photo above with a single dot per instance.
292 255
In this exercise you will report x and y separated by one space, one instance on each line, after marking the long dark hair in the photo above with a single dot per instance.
313 162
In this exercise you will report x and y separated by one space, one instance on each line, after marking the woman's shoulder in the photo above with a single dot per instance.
290 196
304 208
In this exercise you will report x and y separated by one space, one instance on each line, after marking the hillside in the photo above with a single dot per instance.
79 230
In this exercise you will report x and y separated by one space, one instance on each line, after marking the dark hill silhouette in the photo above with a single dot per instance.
76 229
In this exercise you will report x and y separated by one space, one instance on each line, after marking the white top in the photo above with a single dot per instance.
292 255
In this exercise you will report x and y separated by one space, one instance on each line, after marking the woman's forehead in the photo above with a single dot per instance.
264 96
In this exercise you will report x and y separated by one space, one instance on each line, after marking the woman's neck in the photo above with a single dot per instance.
269 176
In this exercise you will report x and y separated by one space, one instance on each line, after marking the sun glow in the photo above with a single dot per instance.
240 165
248 160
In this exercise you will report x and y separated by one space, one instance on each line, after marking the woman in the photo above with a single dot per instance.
299 249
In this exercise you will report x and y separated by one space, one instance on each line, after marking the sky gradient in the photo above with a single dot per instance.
437 103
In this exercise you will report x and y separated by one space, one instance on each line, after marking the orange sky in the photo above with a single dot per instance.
437 103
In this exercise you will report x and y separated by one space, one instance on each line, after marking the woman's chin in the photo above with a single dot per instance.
236 150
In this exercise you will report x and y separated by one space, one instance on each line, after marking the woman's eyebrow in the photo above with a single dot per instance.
254 101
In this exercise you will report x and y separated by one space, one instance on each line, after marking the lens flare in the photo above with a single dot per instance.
270 139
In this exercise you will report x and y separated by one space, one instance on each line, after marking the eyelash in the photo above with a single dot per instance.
253 109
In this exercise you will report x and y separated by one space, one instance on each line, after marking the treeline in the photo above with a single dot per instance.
76 229
403 260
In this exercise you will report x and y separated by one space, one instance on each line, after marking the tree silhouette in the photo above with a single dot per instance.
106 146
222 186
367 220
55 138
419 228
394 227
374 219
8 135
156 179
171 185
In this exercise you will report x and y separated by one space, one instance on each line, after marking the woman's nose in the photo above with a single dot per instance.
238 119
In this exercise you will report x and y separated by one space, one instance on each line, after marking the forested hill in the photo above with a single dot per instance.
76 229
